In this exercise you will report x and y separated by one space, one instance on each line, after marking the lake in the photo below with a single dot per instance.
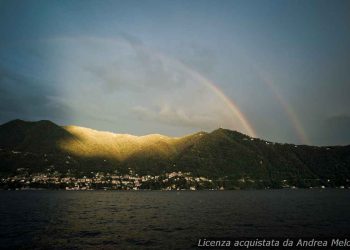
166 219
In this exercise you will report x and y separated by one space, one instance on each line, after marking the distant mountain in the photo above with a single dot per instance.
222 153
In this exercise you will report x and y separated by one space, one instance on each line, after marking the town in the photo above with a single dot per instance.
52 179
106 181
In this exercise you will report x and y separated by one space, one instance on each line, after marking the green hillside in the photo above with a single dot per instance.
222 154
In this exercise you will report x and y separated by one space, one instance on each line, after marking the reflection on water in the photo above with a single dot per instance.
156 219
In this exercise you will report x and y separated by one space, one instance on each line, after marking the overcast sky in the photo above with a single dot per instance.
177 67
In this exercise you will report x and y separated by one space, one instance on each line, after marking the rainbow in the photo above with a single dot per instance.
291 114
288 109
228 102
237 114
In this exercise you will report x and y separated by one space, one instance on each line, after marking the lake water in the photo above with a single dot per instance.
160 220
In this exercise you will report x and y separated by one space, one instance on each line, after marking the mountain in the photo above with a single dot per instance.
223 153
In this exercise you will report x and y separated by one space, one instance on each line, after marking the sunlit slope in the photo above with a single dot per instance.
89 142
221 153
47 137
153 152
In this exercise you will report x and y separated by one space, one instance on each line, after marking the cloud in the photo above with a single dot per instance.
128 65
123 78
94 82
201 58
175 117
24 97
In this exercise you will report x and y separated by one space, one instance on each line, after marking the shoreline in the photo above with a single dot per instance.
181 190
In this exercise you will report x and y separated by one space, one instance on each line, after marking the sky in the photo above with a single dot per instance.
277 70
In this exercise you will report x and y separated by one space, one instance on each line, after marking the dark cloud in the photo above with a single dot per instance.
24 97
128 65
123 73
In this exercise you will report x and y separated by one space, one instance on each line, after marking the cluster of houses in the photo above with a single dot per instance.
52 179
107 181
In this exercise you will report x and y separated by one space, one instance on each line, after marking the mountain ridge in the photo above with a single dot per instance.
221 153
